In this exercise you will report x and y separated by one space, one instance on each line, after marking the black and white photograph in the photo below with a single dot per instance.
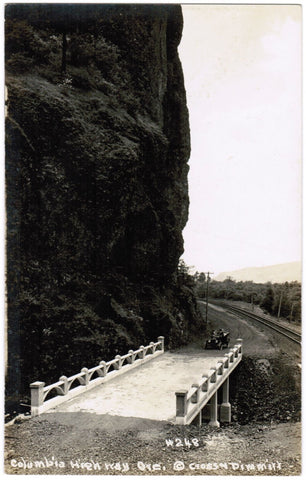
153 239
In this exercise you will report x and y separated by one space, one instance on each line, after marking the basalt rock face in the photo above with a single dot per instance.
96 174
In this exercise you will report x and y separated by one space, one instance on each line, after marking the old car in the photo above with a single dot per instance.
219 339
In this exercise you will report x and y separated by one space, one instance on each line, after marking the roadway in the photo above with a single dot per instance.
258 340
148 391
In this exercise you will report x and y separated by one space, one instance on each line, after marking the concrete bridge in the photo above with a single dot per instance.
177 387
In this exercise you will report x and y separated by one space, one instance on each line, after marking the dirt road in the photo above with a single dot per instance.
258 340
255 340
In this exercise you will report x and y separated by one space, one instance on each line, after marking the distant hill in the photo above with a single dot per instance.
285 272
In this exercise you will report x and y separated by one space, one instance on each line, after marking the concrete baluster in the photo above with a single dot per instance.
205 383
220 368
161 339
226 361
86 375
37 397
240 341
152 345
118 363
64 379
214 411
196 396
225 408
231 355
142 353
131 358
213 375
181 403
102 370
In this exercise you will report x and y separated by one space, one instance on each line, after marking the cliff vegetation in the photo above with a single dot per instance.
97 144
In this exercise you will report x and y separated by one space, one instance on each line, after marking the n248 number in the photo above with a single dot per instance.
182 442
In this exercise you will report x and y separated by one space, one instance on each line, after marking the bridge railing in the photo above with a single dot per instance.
190 402
68 387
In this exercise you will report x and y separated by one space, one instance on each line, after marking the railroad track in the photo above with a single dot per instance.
274 325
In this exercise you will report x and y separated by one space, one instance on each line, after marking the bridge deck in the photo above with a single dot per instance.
148 391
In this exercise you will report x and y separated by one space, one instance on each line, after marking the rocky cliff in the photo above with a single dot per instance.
96 181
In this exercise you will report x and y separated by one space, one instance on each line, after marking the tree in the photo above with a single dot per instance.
268 301
200 282
294 301
183 275
229 285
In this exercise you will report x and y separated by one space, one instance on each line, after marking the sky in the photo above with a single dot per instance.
242 71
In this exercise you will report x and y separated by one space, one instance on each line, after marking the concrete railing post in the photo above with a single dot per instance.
162 341
37 396
86 376
64 379
181 403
